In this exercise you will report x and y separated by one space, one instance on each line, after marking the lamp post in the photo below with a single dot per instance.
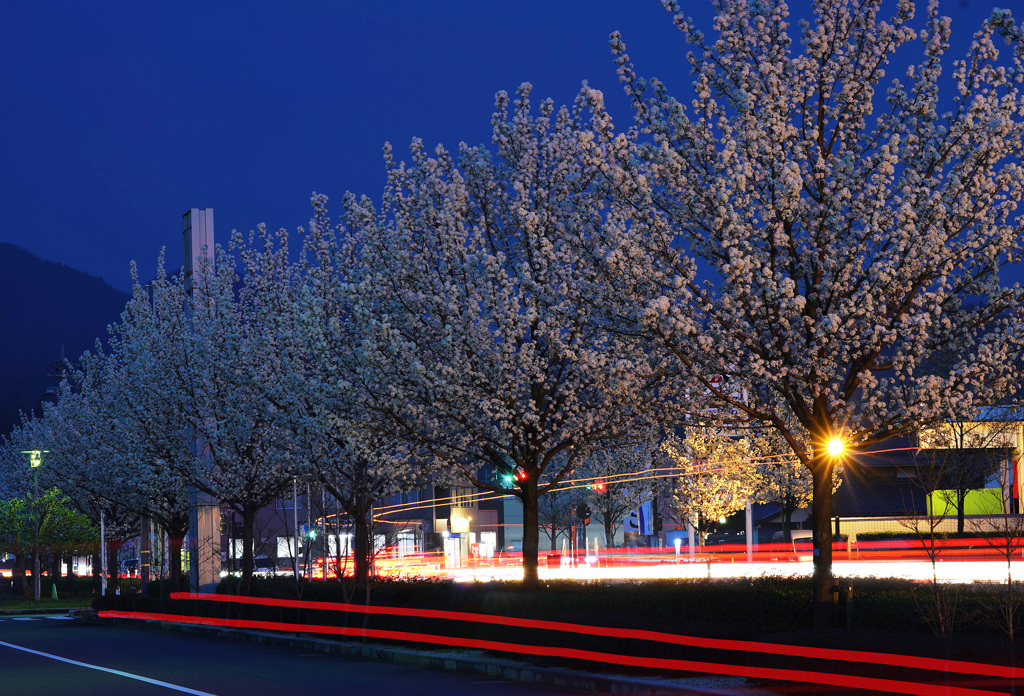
35 460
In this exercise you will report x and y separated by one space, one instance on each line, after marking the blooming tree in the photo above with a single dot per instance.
619 478
327 402
712 480
214 350
815 233
480 306
113 426
84 472
779 477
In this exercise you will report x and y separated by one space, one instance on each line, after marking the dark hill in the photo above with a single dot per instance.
46 307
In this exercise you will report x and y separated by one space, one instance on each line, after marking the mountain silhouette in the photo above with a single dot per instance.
47 310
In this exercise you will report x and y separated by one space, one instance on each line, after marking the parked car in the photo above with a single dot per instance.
800 548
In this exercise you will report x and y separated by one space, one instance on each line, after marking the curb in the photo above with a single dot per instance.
472 662
52 610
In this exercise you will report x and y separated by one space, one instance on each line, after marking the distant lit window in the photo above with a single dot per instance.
462 497
285 546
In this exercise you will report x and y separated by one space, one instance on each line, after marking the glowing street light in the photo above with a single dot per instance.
35 458
836 447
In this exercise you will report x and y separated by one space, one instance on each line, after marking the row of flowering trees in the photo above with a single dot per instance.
782 251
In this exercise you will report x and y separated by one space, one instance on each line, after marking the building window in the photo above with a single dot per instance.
285 544
462 496
235 547
345 546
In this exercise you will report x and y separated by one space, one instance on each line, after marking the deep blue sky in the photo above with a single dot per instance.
116 117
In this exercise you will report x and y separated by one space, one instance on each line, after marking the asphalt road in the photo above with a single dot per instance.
48 655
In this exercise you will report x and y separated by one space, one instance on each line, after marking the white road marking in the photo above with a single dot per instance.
23 618
118 672
59 618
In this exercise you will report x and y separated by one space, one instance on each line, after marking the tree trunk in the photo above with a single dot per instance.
26 587
112 570
97 569
248 524
961 497
787 524
609 539
362 548
531 534
175 540
821 513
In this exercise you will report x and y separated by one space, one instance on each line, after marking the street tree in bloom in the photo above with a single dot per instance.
618 480
237 370
817 227
354 454
778 476
16 476
90 467
786 483
480 305
114 425
215 350
87 483
712 478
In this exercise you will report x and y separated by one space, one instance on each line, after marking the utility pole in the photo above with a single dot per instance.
295 525
204 511
103 555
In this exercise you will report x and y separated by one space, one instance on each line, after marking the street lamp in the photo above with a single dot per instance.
35 460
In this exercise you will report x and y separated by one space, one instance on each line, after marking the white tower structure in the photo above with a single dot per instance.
204 517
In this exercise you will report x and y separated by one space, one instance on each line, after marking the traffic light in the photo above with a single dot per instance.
514 476
657 524
583 513
599 486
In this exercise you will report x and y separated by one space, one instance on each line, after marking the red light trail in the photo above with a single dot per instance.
780 674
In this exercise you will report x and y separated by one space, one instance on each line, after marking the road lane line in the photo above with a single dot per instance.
108 670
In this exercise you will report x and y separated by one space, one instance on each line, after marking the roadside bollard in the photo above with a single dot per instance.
842 596
845 605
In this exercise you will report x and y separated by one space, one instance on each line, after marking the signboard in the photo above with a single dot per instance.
646 520
639 521
632 522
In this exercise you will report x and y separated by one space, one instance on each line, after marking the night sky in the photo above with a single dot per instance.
116 117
